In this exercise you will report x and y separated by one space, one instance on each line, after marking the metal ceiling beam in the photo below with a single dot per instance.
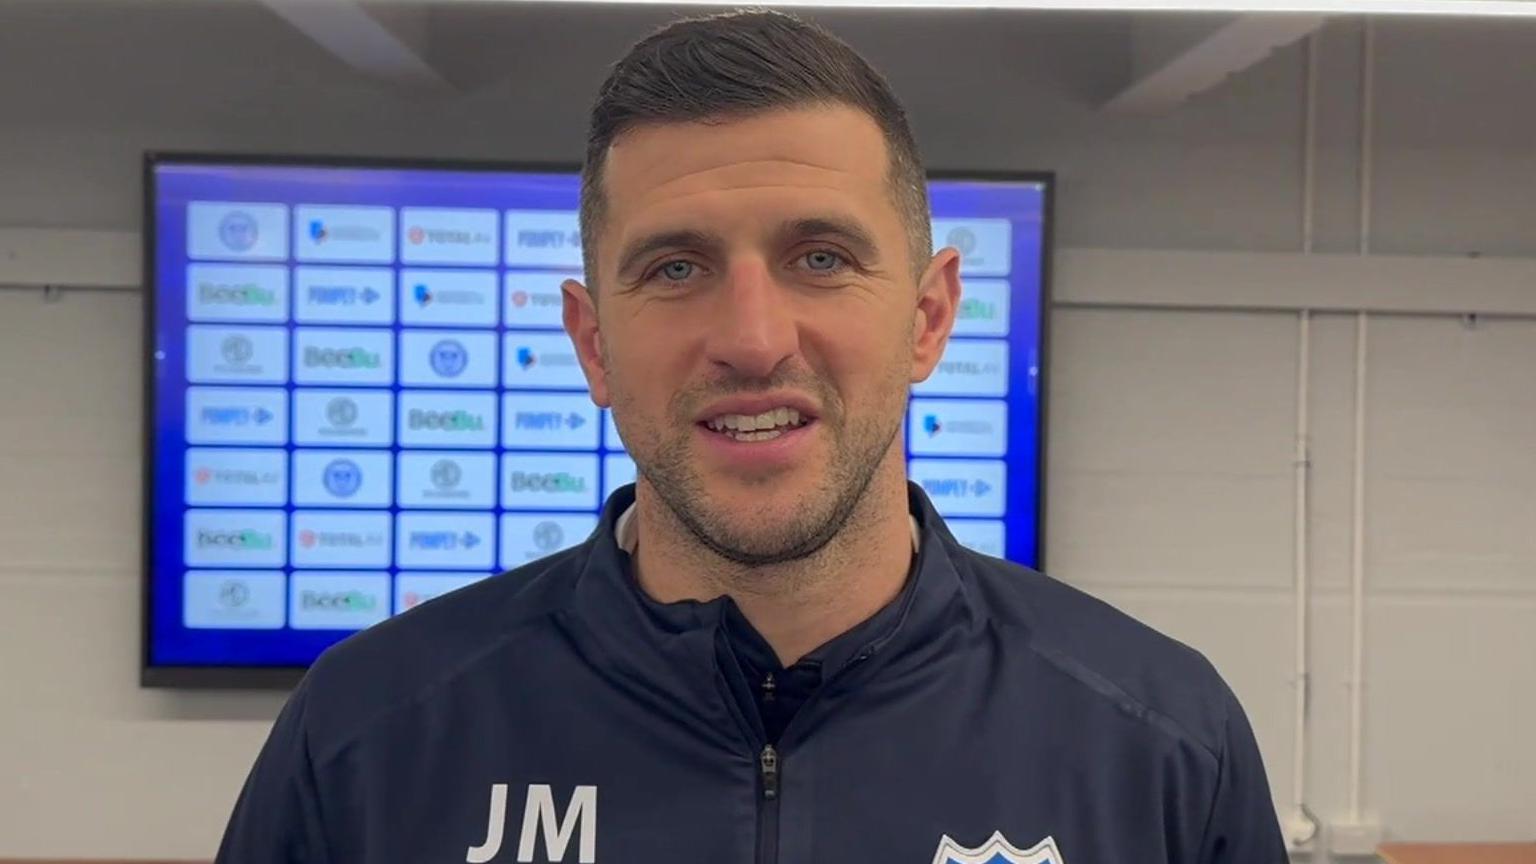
1174 60
387 42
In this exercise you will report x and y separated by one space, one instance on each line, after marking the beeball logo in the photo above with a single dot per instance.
239 231
553 482
215 293
245 540
340 358
975 309
447 421
338 601
342 478
443 541
448 358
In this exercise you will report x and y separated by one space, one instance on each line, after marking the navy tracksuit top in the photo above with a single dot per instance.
989 715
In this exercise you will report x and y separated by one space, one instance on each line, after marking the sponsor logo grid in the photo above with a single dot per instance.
422 420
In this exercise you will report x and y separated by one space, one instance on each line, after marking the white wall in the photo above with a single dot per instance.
1171 439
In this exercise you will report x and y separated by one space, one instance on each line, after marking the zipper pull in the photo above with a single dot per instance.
769 763
769 688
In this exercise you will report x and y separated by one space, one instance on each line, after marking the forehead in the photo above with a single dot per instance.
814 156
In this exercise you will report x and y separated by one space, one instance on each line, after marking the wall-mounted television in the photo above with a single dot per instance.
359 395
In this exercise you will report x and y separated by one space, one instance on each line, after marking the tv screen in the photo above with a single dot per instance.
359 395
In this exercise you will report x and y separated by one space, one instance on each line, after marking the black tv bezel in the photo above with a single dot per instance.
244 677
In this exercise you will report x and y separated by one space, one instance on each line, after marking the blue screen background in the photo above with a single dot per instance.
177 185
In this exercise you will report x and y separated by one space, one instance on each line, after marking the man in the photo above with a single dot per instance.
771 649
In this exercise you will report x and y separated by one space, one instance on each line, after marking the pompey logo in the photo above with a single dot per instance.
239 231
448 358
342 478
997 850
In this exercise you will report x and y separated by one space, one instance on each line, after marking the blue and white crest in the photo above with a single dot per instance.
997 850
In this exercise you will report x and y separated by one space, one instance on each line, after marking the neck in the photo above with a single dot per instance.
800 605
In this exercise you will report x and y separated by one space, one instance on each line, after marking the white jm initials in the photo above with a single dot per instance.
539 818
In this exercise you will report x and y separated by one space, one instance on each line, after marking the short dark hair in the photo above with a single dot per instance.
737 64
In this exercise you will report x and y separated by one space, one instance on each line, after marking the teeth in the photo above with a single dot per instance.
756 427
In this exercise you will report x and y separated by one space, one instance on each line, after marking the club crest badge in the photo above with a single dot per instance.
997 850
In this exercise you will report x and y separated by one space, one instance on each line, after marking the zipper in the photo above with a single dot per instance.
769 773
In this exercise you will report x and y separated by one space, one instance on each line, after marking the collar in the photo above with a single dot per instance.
667 653
627 532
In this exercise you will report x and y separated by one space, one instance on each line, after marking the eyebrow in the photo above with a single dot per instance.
635 253
850 232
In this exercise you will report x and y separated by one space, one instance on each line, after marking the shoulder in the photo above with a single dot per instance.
404 660
1143 672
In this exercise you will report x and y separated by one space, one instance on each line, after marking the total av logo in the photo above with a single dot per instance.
341 539
235 476
419 235
533 298
312 539
542 825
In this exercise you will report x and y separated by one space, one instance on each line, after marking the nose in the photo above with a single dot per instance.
752 327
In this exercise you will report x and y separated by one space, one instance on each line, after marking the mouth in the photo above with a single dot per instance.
763 425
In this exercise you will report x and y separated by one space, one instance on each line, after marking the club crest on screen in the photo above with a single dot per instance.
997 850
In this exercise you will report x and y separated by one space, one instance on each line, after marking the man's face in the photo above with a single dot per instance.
758 321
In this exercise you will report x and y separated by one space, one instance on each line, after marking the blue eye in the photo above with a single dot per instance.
823 261
676 271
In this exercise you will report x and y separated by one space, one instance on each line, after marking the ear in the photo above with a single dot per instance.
938 299
580 316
